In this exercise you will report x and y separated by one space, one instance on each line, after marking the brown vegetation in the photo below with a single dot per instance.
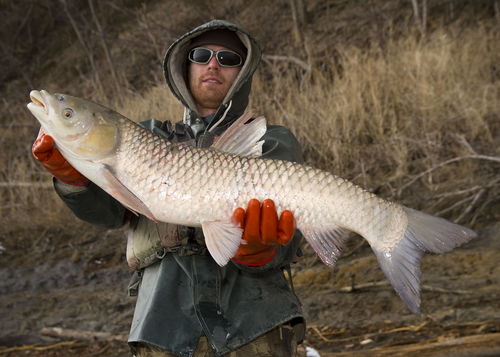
401 98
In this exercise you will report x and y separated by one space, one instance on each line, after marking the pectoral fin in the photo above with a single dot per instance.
120 192
222 239
243 139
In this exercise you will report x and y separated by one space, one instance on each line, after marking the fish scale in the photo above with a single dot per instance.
224 191
180 184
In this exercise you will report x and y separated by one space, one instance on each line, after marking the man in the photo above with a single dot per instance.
187 305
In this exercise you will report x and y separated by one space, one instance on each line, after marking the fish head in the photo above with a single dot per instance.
80 128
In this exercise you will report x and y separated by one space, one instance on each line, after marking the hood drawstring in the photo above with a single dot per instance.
222 117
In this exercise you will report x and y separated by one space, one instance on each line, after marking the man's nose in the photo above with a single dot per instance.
213 64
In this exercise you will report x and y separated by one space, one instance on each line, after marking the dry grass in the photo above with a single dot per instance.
382 116
378 116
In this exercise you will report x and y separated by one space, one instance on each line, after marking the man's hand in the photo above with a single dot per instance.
262 232
51 159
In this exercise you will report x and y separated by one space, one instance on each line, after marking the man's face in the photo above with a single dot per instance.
209 83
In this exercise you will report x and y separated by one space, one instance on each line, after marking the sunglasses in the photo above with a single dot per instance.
225 58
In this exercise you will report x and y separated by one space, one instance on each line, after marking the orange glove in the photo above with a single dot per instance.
51 159
262 232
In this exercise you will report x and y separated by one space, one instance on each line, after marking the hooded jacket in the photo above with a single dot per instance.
182 293
236 100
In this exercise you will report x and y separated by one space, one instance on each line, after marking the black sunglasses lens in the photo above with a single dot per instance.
228 58
200 55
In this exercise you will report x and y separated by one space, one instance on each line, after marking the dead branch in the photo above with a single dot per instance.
318 332
447 162
378 284
361 243
298 18
90 55
145 23
81 335
26 184
471 205
413 328
306 66
475 345
468 190
118 87
453 206
303 132
463 141
420 19
38 347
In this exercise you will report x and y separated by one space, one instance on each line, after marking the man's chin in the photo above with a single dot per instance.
210 100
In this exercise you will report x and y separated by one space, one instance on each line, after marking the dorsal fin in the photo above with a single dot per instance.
243 139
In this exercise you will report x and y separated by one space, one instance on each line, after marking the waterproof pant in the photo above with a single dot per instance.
278 342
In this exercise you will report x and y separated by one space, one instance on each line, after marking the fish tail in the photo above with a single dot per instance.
424 233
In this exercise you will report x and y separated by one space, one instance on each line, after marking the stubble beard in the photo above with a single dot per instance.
207 97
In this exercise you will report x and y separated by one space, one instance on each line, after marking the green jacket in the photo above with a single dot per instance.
184 294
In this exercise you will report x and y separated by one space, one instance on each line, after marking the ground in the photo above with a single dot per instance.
81 286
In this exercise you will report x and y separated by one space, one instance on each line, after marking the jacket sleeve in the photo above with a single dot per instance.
92 204
279 144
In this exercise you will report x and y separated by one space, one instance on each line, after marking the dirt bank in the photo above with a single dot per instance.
82 287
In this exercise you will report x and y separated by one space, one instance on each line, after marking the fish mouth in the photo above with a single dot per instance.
37 98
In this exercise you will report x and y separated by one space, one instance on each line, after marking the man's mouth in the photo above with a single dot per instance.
211 80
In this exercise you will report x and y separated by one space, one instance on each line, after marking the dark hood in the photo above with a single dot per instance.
175 71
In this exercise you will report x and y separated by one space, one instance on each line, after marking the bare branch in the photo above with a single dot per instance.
81 335
295 60
14 184
420 19
90 55
383 283
447 162
471 205
118 87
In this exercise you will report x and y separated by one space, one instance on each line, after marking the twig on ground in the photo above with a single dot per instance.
413 328
38 347
383 284
318 332
26 184
81 335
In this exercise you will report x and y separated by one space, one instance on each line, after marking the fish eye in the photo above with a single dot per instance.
59 97
68 113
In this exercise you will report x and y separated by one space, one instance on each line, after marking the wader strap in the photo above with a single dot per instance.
133 284
290 279
182 250
159 254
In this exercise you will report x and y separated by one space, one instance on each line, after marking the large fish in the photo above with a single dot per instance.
181 184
